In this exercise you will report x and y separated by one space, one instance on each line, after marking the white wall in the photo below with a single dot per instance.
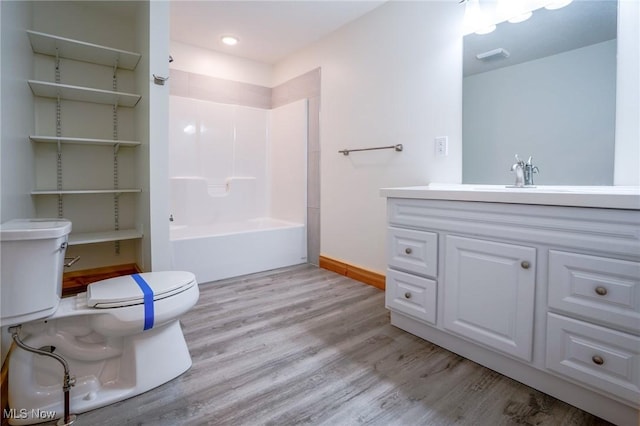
214 64
158 142
559 109
392 76
627 152
16 155
288 162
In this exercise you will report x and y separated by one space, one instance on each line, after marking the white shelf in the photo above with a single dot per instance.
82 141
48 44
83 94
103 237
83 191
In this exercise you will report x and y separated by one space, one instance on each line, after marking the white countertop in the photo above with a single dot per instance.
609 197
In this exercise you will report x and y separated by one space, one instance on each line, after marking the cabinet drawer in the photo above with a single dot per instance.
413 251
601 289
411 295
598 357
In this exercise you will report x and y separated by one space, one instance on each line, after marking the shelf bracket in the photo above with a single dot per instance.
57 64
59 134
116 147
59 151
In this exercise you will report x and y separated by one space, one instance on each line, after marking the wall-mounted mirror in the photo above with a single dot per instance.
550 93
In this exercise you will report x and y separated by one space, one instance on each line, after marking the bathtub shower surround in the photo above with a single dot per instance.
238 182
218 162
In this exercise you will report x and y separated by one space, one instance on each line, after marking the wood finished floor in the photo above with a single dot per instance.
303 345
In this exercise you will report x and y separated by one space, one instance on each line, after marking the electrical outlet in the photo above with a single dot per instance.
442 146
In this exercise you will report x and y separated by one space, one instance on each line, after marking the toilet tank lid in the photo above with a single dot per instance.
34 229
125 290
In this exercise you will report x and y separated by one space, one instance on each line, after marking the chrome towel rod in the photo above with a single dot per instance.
397 147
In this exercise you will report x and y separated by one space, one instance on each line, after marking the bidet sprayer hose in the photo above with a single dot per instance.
68 380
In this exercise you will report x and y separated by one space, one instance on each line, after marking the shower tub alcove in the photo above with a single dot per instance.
237 187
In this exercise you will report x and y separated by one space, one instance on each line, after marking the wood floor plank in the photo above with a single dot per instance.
303 345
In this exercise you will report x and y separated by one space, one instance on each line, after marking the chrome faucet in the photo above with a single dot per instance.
529 170
524 172
518 167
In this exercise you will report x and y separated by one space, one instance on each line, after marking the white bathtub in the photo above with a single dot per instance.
223 250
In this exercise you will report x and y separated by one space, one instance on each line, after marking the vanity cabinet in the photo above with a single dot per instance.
547 295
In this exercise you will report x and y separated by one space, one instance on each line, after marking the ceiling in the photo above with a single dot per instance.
547 32
268 30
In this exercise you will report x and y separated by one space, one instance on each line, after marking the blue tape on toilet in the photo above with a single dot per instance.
148 300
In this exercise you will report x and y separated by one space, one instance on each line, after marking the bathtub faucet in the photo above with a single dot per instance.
170 218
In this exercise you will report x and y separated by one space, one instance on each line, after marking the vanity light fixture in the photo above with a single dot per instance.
486 30
520 18
475 19
229 40
515 11
491 54
557 4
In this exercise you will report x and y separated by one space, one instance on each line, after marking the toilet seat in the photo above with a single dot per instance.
125 291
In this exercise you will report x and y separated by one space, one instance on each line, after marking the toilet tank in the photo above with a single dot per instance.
32 259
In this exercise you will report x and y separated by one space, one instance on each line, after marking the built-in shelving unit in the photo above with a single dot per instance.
116 59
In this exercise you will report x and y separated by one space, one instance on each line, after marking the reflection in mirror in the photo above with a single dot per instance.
550 93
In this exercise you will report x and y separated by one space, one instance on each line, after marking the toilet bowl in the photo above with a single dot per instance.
120 338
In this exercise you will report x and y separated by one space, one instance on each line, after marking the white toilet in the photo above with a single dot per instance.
120 338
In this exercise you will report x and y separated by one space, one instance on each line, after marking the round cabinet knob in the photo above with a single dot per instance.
601 291
525 264
597 359
407 295
408 250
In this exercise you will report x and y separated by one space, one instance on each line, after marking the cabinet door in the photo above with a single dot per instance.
489 293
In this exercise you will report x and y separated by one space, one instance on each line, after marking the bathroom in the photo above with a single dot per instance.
379 86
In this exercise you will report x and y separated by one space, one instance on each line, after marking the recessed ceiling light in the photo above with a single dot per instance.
229 40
